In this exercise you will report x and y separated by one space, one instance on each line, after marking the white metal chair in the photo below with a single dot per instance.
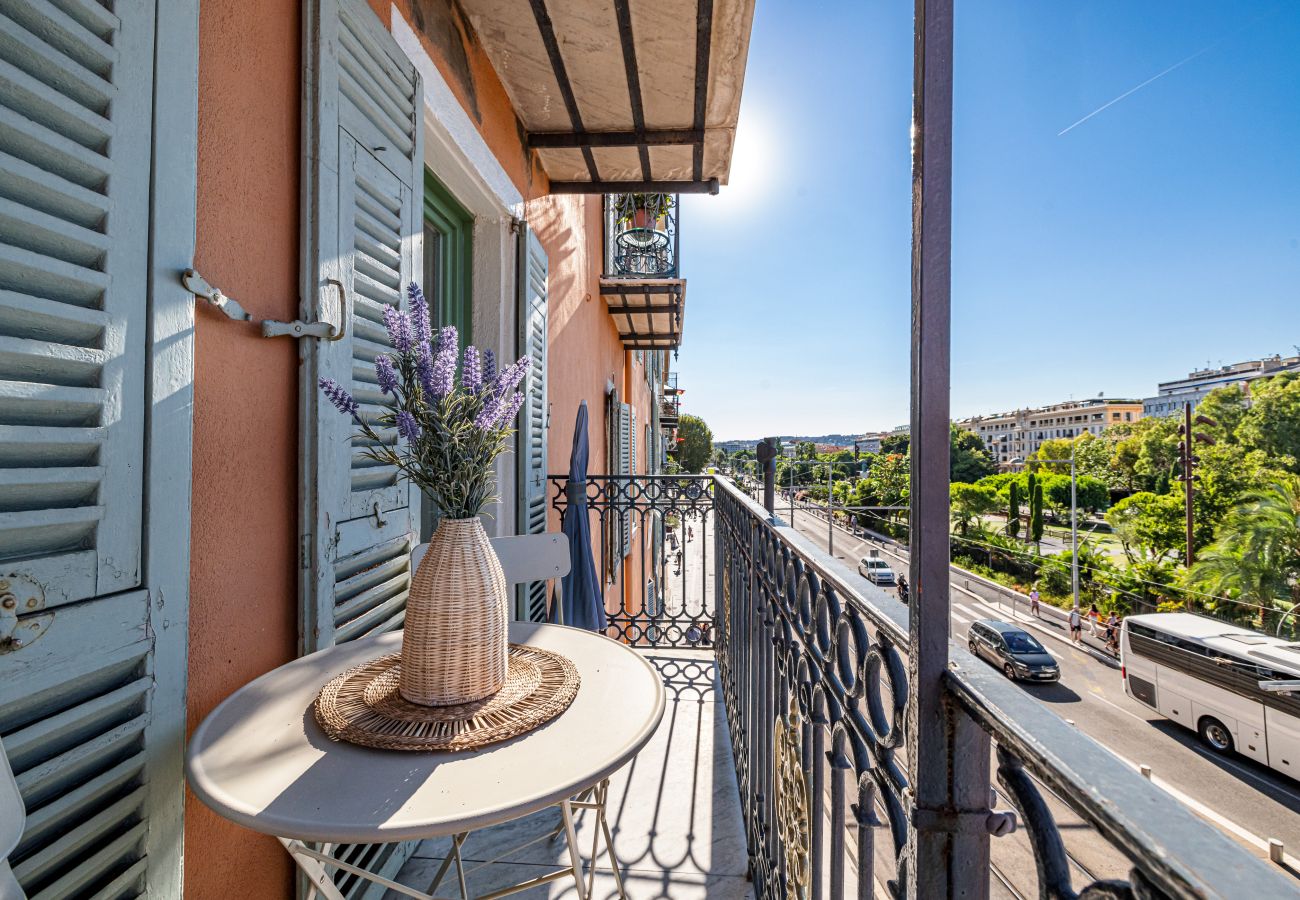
525 557
13 817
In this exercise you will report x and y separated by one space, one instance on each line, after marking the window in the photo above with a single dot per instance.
448 255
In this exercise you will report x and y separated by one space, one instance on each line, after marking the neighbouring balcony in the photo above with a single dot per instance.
793 762
642 284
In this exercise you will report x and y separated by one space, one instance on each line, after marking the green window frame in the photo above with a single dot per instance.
448 259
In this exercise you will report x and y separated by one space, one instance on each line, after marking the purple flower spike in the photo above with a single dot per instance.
491 411
447 337
398 324
471 370
512 410
509 379
386 374
424 371
443 376
419 314
342 400
407 427
489 366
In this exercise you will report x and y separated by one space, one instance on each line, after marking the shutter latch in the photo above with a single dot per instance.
323 328
330 327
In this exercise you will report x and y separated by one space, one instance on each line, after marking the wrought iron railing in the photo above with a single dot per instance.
641 236
840 792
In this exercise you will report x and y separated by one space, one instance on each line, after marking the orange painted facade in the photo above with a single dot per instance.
244 591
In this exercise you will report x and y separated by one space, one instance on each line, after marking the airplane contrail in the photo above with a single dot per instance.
1178 65
1134 90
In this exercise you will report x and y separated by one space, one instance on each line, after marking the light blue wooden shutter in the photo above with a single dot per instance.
362 180
77 694
362 177
625 468
530 442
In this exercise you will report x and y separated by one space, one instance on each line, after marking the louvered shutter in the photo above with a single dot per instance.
625 468
531 440
77 695
362 177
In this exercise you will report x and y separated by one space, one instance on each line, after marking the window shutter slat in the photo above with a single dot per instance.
530 440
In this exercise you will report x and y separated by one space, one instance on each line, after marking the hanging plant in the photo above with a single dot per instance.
642 210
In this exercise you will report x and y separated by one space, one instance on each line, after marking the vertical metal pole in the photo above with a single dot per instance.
947 754
1074 530
767 455
790 469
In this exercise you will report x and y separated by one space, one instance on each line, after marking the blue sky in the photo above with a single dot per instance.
1160 234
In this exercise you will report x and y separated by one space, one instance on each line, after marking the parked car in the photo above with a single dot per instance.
876 570
1014 650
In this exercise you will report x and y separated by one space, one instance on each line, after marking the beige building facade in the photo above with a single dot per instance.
1017 434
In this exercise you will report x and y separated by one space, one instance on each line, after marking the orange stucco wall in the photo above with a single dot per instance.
243 580
243 603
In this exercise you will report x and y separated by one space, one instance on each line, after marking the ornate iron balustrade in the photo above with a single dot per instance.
816 678
641 236
656 593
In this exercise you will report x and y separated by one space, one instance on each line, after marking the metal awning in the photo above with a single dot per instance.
647 312
622 95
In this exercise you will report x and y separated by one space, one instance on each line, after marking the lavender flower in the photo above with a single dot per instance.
487 417
407 427
443 376
419 314
512 410
489 366
447 337
386 374
509 378
398 324
342 400
424 370
471 370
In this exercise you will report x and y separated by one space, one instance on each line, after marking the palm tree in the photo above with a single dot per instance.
1256 553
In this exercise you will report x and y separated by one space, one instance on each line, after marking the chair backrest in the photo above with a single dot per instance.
524 557
13 817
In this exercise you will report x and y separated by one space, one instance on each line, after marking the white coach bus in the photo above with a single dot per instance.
1239 689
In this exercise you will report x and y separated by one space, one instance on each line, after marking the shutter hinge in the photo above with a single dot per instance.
21 619
517 225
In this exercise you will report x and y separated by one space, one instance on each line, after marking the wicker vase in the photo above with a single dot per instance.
454 648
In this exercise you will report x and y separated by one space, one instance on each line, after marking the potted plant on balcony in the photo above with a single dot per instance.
643 210
442 426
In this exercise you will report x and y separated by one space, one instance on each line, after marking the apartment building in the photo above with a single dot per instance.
1171 395
1016 434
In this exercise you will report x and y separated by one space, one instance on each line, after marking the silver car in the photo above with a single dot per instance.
876 570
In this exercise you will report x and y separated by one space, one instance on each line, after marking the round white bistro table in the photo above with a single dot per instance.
260 760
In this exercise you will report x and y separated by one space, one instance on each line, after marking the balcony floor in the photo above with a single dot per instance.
674 812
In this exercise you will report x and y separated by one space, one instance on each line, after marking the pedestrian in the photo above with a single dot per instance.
1112 633
1033 602
690 532
1076 625
1093 615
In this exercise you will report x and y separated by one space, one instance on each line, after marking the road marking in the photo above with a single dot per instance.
960 617
1216 758
1201 809
1096 692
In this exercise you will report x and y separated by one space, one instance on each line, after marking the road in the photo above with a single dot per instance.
1247 801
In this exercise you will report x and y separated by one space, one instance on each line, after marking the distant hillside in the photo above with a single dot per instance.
840 440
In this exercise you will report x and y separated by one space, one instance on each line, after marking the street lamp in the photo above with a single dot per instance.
1074 519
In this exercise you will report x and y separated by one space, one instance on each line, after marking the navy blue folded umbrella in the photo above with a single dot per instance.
581 603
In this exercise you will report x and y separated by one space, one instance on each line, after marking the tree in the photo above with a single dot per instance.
696 442
1148 525
1272 423
1036 515
1013 508
967 502
896 442
968 461
1256 556
1227 407
1056 449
